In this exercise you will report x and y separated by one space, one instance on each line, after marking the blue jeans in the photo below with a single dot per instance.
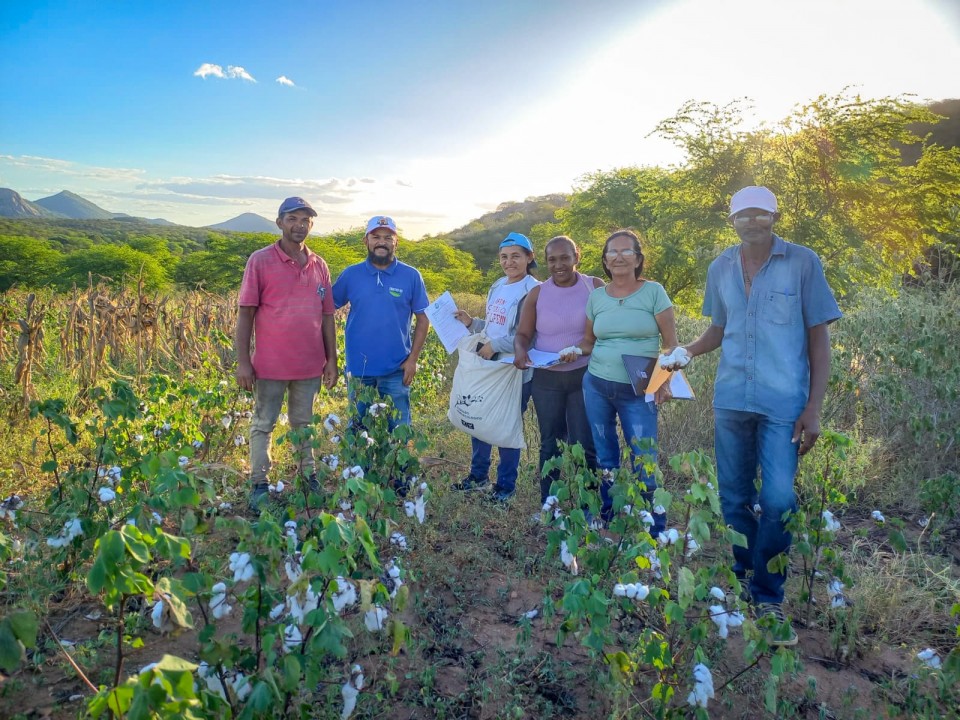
558 397
743 441
509 464
388 386
605 401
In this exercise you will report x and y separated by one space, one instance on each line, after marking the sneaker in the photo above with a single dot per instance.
783 633
470 483
259 496
501 496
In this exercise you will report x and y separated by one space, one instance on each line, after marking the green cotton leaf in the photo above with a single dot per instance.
366 540
735 538
686 587
133 540
290 669
172 591
24 626
49 466
172 547
189 522
672 612
11 649
400 634
112 548
897 541
97 576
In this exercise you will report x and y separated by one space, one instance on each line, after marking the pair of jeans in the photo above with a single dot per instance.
743 441
558 398
387 386
509 465
268 396
605 402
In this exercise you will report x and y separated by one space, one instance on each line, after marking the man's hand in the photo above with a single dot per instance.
675 359
245 375
806 430
486 351
521 360
409 368
330 374
662 394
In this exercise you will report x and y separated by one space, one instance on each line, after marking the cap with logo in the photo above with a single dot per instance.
295 203
755 197
515 239
381 221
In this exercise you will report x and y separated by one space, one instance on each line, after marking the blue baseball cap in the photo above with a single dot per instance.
295 203
518 240
381 221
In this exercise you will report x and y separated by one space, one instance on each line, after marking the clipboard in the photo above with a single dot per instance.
640 370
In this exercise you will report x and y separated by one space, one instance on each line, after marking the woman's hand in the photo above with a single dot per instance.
570 354
464 317
486 351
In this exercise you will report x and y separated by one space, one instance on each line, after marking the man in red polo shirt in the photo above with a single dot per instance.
286 304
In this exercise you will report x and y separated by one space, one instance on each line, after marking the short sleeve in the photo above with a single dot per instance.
713 307
328 306
341 289
250 285
819 305
420 299
661 301
591 306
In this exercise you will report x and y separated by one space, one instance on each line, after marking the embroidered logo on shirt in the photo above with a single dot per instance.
396 292
321 291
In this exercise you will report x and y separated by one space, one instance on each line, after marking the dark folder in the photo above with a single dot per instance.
639 370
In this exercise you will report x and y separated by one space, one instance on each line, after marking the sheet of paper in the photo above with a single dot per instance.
538 358
442 316
679 386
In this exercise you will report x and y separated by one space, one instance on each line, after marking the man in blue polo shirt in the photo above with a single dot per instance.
770 309
384 295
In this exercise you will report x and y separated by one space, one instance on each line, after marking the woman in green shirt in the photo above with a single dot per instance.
629 316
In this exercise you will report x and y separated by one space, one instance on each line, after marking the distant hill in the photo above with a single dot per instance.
14 206
248 222
123 217
73 206
481 237
945 133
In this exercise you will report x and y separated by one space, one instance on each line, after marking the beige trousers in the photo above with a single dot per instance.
269 398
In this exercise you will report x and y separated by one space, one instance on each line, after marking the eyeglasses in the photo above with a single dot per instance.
761 219
628 253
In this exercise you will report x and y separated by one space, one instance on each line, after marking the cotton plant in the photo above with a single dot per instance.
106 495
399 539
878 517
239 440
376 408
162 617
391 577
292 638
350 690
183 461
568 559
276 487
835 590
670 536
9 507
345 596
353 472
331 461
331 423
702 691
238 682
417 507
292 567
725 619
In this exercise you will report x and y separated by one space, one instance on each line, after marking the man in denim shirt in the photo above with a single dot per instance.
770 309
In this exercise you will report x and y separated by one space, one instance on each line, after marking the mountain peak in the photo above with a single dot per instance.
248 222
73 206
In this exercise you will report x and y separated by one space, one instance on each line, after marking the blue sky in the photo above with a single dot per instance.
432 111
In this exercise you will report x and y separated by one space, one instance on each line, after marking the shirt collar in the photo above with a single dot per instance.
286 258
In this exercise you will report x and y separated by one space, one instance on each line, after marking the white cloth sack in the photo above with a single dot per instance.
485 398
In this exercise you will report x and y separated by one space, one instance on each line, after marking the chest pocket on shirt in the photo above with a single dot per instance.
781 308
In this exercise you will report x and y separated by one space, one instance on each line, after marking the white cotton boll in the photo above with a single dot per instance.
290 528
878 517
278 611
159 520
353 472
239 440
331 422
56 542
349 694
160 617
830 524
930 658
703 687
668 537
346 505
345 596
219 588
718 593
659 510
376 409
408 508
183 461
292 638
282 419
628 510
146 668
632 591
197 444
646 518
423 486
531 614
106 495
241 686
923 522
550 503
335 439
114 474
375 618
279 486
620 590
226 421
838 601
138 438
835 587
399 540
420 509
642 592
691 546
241 566
719 616
293 568
331 461
369 440
219 606
568 560
165 427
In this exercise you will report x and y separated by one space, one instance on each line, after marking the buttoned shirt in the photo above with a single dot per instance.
764 364
382 303
291 302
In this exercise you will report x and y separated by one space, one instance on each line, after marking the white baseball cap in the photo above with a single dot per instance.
753 196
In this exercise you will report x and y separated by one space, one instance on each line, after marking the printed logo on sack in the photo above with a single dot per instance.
468 400
396 292
467 425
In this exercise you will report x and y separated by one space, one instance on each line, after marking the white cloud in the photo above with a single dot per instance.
232 72
284 80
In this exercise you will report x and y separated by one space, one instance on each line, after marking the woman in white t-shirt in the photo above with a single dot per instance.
504 302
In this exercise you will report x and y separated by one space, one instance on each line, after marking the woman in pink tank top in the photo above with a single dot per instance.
553 318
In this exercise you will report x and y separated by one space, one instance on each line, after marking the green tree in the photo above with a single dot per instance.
27 262
117 265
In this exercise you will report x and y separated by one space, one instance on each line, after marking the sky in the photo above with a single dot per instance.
432 111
